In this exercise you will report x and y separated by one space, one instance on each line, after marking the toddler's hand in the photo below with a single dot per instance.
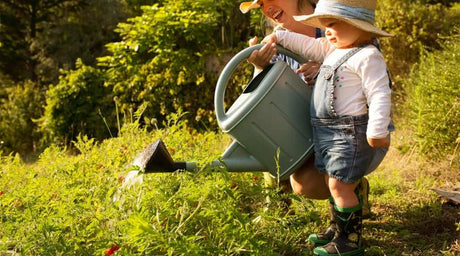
309 70
378 143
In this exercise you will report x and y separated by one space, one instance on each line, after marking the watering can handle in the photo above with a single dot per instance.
231 66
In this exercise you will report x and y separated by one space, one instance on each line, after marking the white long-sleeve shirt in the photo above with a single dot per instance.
361 82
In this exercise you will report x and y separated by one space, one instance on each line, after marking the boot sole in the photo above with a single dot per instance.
316 241
321 252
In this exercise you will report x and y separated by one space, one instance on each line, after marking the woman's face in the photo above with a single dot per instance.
281 11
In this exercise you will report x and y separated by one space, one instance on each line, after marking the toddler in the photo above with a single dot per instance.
350 110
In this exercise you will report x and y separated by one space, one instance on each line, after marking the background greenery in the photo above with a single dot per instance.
81 64
86 85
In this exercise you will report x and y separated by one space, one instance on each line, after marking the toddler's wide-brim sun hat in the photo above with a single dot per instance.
358 13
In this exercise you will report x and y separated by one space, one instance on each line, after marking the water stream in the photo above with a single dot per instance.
133 179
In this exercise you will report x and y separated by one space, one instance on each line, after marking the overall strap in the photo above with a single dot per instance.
344 58
348 55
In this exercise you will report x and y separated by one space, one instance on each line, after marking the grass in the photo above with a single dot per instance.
409 218
63 204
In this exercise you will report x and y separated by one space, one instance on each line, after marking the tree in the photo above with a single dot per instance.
19 107
22 22
161 60
38 38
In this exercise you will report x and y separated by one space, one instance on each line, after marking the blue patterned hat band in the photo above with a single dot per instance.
346 11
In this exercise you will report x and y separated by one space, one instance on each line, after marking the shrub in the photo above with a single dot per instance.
79 104
416 26
20 105
433 101
64 204
164 58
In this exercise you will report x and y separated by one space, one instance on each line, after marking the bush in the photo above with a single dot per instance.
20 105
416 26
79 104
64 204
433 101
164 58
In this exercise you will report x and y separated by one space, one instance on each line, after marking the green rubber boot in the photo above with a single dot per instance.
347 239
326 236
362 191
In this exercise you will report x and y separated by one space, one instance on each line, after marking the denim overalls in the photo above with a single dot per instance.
340 142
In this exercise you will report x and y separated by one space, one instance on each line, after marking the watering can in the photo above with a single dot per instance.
269 123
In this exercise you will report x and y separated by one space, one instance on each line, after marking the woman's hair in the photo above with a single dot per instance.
303 3
270 24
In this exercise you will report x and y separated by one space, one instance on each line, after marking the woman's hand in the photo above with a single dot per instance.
261 58
270 39
378 143
309 70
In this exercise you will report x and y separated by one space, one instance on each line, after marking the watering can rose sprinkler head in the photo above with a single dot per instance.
156 158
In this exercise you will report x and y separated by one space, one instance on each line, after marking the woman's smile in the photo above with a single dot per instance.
277 15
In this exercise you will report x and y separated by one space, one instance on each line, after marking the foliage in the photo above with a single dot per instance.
25 20
416 25
135 5
448 3
85 205
78 34
20 105
433 101
159 58
13 47
162 58
168 58
166 213
38 38
79 104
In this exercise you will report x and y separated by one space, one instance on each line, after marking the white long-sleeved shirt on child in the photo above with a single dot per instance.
361 83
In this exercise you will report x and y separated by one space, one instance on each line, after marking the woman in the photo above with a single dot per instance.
306 180
281 14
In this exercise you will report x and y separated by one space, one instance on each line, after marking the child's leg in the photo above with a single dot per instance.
343 193
326 236
348 216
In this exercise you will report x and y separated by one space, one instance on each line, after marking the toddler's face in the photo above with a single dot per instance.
340 33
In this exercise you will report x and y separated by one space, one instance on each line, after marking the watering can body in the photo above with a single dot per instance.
269 121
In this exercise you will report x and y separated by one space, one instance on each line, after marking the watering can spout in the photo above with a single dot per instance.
156 158
237 159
